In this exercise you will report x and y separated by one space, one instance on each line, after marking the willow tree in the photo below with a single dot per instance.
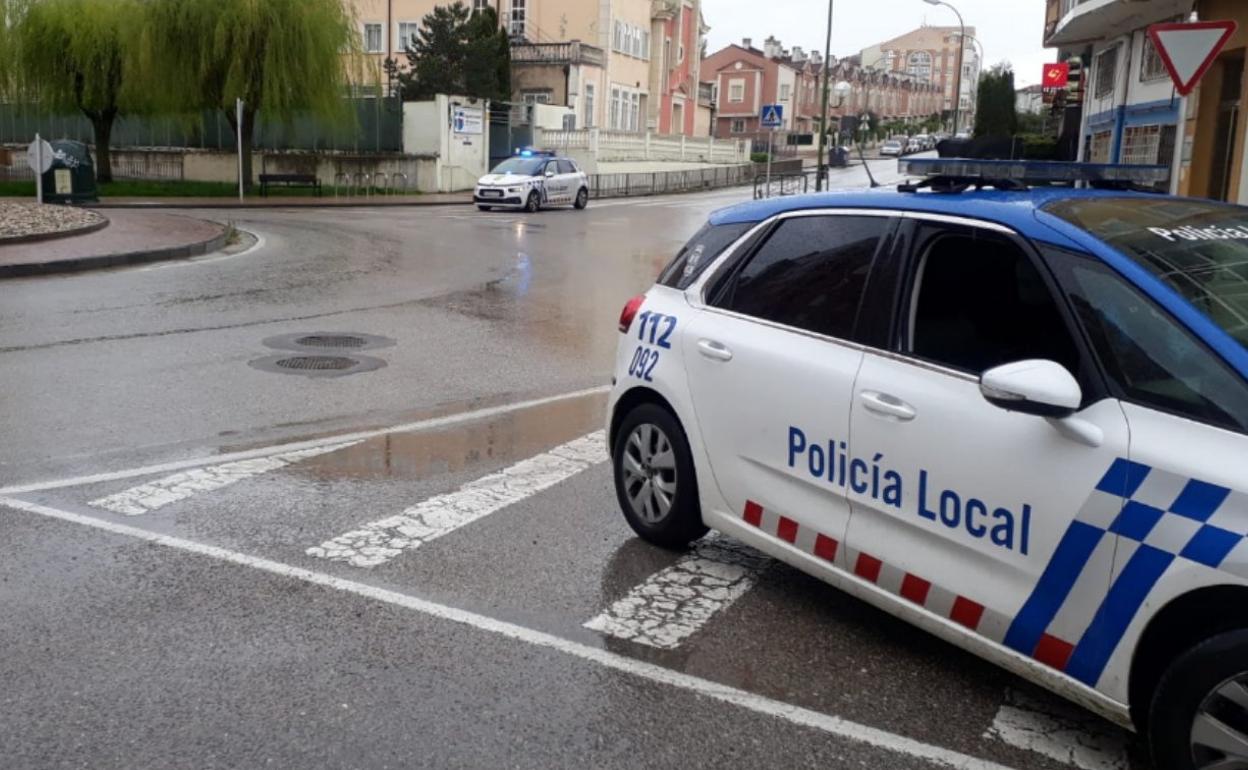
280 57
66 55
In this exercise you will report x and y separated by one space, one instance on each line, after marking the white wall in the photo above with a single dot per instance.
462 158
550 116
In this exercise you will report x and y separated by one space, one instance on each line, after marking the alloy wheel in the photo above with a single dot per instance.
649 469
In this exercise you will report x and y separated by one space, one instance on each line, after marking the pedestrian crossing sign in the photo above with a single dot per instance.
772 116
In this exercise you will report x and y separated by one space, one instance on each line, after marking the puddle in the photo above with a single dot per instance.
503 439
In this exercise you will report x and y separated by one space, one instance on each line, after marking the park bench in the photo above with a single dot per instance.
289 180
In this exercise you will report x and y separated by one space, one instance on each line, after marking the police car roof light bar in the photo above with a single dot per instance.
957 174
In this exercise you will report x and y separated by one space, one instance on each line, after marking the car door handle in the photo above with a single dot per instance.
886 405
714 350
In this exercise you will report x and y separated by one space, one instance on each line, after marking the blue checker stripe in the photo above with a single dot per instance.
1125 597
1123 478
1054 587
1136 520
1199 500
1210 545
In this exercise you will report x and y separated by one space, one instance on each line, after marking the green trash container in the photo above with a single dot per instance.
72 176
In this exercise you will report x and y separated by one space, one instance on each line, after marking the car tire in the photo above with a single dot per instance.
534 203
650 445
1193 695
485 208
582 199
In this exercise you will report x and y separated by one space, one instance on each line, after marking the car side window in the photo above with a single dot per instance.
552 167
566 167
978 301
1149 358
809 274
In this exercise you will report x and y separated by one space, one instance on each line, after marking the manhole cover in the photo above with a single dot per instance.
313 342
331 341
317 363
317 366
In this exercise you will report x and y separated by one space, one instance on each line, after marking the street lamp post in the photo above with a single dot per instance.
823 121
957 88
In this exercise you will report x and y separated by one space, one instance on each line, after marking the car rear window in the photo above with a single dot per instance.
701 250
1200 248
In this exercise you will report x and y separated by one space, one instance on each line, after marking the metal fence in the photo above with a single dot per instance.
371 125
659 182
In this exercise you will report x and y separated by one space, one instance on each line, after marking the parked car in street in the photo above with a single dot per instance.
1015 417
893 147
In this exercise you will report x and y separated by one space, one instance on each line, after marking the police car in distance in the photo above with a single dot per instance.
1015 417
530 180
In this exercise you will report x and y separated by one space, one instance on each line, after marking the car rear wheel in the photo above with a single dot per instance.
654 478
533 204
1198 719
582 199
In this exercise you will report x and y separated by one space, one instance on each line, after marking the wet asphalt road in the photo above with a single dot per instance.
198 629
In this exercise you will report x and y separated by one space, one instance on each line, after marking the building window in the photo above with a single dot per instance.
736 91
784 92
634 117
407 31
1148 145
890 60
920 65
1106 69
1152 68
519 27
1099 146
738 126
617 36
613 120
480 5
535 97
372 38
589 105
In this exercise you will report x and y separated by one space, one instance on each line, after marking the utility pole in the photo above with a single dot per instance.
823 120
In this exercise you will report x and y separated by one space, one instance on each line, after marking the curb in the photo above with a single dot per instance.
254 205
52 236
78 264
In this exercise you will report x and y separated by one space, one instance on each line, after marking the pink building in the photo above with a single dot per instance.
675 75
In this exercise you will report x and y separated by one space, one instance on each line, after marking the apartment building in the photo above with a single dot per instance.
745 78
1130 111
386 26
931 54
623 65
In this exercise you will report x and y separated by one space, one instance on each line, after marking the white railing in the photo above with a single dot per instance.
627 146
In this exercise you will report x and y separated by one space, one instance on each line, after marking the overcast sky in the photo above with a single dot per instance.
1010 30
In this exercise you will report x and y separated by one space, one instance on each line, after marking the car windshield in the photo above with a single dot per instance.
1200 248
521 166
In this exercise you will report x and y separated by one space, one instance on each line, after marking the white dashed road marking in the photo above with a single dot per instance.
380 541
1059 731
157 494
199 462
795 715
674 603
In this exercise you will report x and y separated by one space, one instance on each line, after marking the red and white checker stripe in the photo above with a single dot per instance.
962 610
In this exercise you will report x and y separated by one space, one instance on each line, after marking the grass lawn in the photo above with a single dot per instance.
144 189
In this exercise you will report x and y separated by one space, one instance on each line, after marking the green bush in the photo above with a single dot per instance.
758 157
1038 146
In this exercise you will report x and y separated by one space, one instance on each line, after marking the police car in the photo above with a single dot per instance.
1015 417
530 180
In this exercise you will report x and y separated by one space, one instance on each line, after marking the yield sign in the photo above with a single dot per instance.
1188 50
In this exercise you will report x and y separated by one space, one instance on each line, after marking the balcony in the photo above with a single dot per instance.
1074 22
574 52
664 9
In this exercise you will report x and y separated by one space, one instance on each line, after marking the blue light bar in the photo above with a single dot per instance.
1033 172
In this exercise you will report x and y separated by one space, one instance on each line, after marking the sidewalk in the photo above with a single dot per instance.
288 201
131 237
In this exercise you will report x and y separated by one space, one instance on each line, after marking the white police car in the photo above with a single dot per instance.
1016 419
530 180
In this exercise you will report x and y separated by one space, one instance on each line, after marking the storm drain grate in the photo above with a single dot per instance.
317 363
349 341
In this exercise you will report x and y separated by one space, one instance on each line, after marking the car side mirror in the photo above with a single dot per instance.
1042 388
549 174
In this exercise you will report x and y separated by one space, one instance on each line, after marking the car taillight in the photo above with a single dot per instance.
630 312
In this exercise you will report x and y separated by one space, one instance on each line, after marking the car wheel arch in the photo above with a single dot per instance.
1184 622
634 398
